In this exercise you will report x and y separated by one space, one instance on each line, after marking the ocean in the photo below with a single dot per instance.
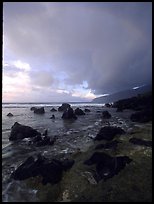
70 136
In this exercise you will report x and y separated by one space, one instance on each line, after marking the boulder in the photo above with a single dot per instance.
78 111
108 133
64 107
86 110
50 170
19 131
33 108
108 145
39 110
69 114
107 166
106 115
9 114
138 141
142 116
53 110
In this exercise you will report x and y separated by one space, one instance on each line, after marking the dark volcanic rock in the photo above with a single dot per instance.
107 166
39 110
52 117
19 131
138 141
108 145
69 114
33 108
78 111
106 114
53 110
64 107
108 133
51 171
108 105
86 110
142 116
45 141
9 114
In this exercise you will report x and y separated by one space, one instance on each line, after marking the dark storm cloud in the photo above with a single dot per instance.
106 44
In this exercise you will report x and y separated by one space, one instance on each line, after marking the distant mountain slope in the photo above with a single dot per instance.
122 94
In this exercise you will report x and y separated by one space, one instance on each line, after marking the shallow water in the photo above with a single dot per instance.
70 136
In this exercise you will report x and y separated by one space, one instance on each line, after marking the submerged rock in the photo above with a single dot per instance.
69 114
9 114
64 107
19 131
106 115
108 133
50 170
107 166
108 145
78 111
138 141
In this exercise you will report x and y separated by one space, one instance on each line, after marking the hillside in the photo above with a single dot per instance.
122 94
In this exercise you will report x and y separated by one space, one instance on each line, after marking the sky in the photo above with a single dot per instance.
74 51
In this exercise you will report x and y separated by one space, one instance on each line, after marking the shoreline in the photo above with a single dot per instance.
133 183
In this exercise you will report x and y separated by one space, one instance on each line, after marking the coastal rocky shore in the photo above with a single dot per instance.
116 167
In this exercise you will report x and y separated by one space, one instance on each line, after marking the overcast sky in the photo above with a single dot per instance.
74 51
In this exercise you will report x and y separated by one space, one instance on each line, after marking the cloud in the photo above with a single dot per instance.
108 45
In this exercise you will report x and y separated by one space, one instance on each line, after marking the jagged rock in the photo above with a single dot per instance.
142 116
19 131
107 166
86 110
51 171
39 110
69 114
108 133
9 114
78 111
106 114
108 145
64 107
138 141
53 110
